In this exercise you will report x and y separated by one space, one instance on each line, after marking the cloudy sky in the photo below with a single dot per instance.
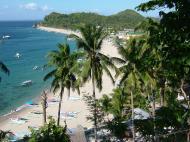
37 9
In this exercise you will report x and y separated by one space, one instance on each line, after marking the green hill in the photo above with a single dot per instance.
121 20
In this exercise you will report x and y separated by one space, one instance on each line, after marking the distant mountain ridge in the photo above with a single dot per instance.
124 19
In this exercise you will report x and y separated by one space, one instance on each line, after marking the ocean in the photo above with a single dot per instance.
33 45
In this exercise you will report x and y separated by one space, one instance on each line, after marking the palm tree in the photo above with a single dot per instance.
4 68
134 67
44 105
149 27
63 76
95 63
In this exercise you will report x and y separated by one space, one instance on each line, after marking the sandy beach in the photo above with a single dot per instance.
63 31
74 105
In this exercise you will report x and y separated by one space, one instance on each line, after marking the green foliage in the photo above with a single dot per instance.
63 61
168 120
94 106
4 135
124 19
94 62
50 133
117 128
63 74
171 37
117 105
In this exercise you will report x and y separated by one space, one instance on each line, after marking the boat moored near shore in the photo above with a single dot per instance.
6 37
27 83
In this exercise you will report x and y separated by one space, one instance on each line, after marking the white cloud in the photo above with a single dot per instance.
45 8
29 6
35 6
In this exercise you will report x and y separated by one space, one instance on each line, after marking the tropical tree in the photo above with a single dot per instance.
50 132
115 104
155 59
4 135
44 105
172 38
4 69
95 62
136 66
63 75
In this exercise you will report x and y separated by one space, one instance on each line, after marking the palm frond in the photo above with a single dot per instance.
81 43
55 86
86 71
123 78
50 75
118 60
123 52
108 73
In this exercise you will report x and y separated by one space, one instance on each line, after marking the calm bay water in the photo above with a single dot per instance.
33 45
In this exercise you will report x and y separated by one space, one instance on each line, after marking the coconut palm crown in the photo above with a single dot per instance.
95 62
63 74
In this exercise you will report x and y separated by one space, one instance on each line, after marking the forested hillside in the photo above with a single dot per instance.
124 19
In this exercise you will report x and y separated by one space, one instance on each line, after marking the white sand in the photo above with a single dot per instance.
64 31
67 105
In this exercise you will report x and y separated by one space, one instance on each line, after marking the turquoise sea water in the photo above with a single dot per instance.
33 45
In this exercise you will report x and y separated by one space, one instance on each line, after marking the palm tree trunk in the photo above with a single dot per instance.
44 105
188 137
132 108
59 109
95 113
69 92
162 91
44 112
184 93
162 94
153 114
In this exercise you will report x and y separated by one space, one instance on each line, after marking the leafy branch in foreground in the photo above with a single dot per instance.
50 132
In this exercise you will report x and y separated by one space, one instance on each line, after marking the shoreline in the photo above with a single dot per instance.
58 30
76 105
23 107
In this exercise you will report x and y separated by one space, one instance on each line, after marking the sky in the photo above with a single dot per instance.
37 9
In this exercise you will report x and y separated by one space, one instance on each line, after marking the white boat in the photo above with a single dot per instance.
26 83
6 37
17 55
70 39
35 67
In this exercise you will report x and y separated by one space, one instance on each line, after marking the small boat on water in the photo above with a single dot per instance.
17 55
35 68
26 83
6 37
70 39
